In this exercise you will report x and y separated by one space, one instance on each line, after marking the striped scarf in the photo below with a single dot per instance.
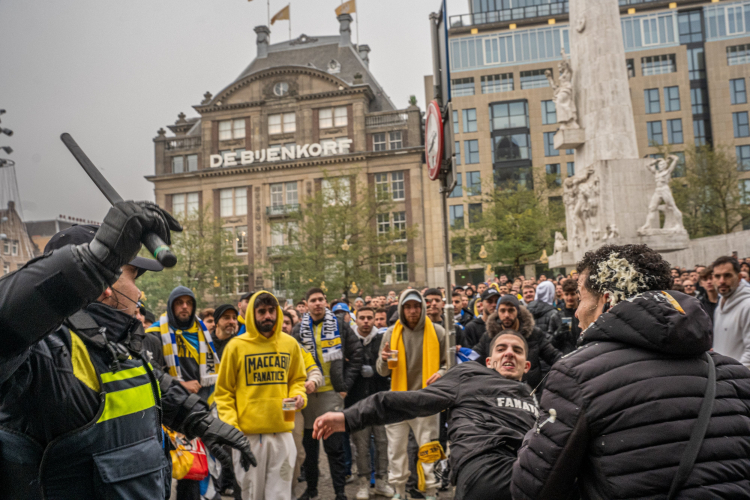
208 360
330 339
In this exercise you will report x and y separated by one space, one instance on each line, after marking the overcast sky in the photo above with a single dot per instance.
112 72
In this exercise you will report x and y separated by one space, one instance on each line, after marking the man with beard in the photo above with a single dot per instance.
643 409
226 326
262 370
489 411
476 327
732 314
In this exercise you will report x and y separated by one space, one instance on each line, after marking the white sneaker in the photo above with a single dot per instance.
396 496
363 493
430 497
383 488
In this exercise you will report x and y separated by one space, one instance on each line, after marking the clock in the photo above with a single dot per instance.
433 142
281 89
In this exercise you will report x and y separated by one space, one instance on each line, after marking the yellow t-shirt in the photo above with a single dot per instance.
327 386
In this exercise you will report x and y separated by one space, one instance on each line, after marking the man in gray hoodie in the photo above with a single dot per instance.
732 314
413 326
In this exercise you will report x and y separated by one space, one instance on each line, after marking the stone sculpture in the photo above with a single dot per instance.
561 245
662 200
567 114
612 232
581 199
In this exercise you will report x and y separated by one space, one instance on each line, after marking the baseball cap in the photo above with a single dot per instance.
489 293
220 310
80 234
412 295
247 296
341 306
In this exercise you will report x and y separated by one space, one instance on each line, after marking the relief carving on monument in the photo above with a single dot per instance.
662 201
581 199
561 246
567 113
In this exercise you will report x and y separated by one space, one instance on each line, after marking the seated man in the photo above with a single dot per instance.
490 411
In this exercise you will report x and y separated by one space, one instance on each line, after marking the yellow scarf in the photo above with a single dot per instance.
430 355
429 453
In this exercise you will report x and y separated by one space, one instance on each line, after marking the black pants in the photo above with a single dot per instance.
334 448
486 477
188 490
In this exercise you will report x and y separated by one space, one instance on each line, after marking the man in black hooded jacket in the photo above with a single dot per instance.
627 399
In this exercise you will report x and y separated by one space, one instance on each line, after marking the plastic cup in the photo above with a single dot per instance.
289 408
393 360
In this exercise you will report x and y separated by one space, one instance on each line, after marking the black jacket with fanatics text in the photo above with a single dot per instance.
486 411
626 402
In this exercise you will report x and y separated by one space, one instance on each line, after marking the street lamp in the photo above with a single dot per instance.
345 246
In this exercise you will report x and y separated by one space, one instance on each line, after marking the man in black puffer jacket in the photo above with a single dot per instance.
627 400
511 315
546 316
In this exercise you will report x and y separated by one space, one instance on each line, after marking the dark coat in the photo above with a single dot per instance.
474 331
565 338
540 348
546 316
344 372
626 402
367 386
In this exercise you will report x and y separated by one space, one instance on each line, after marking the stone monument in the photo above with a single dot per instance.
609 199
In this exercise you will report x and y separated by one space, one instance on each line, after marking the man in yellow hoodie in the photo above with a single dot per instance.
260 370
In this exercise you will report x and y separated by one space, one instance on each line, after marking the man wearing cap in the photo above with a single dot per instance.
76 393
476 328
226 326
420 362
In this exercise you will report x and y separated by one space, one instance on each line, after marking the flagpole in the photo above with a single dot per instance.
356 19
268 12
290 20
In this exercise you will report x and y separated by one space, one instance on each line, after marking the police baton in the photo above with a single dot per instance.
153 242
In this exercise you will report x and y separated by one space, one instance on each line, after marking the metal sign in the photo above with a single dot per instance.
433 144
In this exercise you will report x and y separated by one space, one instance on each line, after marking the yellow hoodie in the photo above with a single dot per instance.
256 373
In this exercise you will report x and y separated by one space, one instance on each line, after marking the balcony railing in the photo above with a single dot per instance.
498 16
279 250
385 119
282 210
183 143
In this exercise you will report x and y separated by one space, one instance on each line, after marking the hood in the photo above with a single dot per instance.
737 298
252 332
539 308
667 322
545 292
420 325
525 323
179 292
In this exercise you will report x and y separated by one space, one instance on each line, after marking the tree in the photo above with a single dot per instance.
516 225
338 237
709 195
206 263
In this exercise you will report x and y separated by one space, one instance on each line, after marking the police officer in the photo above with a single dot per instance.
81 408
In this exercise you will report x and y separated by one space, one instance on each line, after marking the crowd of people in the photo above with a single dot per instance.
609 382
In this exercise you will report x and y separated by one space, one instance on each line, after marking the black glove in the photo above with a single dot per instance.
216 433
118 240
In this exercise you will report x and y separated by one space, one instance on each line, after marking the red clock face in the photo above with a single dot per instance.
433 143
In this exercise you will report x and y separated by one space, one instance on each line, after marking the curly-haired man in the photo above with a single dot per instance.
618 413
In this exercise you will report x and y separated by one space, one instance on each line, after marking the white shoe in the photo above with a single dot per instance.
383 488
363 493
430 497
396 496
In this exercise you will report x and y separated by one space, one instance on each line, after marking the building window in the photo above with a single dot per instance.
378 142
679 169
470 120
738 54
671 99
384 224
178 164
240 238
14 248
512 147
399 225
458 190
655 134
743 158
458 248
242 279
549 113
185 204
475 214
509 115
571 168
534 79
397 185
384 269
6 268
696 63
699 100
473 183
457 151
497 83
291 193
401 264
630 65
462 87
282 123
471 151
570 151
737 91
192 163
651 98
277 194
395 140
699 132
232 201
457 216
657 65
690 28
337 191
553 169
674 131
745 193
740 124
382 186
231 129
455 121
390 184
549 145
6 246
332 117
